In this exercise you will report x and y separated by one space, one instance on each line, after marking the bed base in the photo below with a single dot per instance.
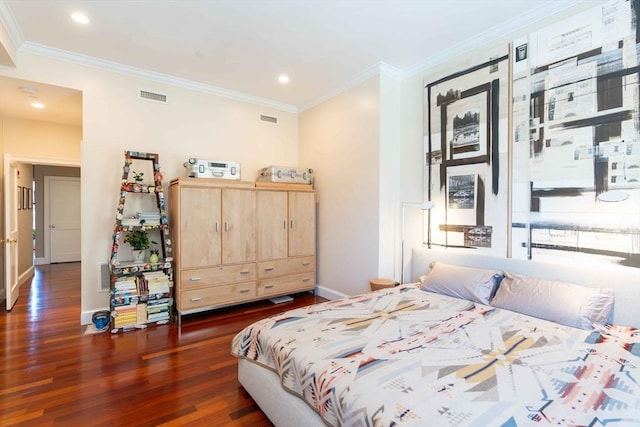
281 407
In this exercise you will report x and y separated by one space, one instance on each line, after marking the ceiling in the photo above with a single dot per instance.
242 46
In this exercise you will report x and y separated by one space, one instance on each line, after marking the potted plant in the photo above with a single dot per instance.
138 176
139 241
155 253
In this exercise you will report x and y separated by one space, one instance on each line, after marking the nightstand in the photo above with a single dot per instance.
381 283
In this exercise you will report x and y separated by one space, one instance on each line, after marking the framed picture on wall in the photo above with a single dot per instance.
30 199
19 198
466 148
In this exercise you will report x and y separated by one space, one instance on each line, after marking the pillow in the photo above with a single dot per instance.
473 284
561 302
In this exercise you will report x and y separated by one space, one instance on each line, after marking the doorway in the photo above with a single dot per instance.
49 137
58 219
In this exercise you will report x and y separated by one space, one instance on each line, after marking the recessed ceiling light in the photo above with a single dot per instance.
28 89
37 104
283 79
80 18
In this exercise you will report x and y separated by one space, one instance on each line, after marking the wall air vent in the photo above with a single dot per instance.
268 119
104 275
153 96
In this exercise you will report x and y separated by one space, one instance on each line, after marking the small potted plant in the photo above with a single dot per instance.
137 185
138 176
155 254
139 241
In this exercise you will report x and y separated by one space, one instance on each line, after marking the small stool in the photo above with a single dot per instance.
381 284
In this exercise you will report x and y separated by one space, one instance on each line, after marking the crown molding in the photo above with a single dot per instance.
373 71
8 21
491 35
89 61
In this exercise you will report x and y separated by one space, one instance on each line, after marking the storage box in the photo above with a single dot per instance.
286 174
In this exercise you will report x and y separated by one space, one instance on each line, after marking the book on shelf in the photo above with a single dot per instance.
141 311
119 300
120 309
154 317
130 222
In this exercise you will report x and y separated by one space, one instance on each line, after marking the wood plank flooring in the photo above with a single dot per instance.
52 374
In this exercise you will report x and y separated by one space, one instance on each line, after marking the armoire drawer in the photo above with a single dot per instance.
200 277
283 285
285 267
216 295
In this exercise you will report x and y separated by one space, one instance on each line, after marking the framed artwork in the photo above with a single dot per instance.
466 147
30 198
19 197
576 139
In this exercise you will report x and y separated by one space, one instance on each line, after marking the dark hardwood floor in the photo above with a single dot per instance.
51 373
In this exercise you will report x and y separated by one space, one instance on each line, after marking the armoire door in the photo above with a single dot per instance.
302 223
238 226
272 225
200 227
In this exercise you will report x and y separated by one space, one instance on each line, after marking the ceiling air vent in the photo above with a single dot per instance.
268 119
153 96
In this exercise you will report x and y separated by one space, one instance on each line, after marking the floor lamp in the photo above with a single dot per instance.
424 206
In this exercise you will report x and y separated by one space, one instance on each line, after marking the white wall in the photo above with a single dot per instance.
389 160
340 140
30 138
190 124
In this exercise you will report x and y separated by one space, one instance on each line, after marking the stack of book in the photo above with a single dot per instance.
130 222
149 217
125 316
156 283
125 286
158 310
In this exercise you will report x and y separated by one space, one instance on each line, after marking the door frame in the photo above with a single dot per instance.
47 218
10 253
33 161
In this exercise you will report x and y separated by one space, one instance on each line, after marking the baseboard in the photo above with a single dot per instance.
329 294
40 261
28 274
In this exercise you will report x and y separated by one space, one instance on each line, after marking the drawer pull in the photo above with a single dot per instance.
268 268
196 299
306 280
245 272
304 264
194 279
268 286
244 291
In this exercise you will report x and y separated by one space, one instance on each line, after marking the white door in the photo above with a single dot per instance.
10 239
62 216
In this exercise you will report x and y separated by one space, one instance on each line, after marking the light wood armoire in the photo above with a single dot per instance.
235 242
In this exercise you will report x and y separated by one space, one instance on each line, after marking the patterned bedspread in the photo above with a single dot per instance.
403 356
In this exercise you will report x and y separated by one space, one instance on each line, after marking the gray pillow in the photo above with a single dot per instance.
473 284
561 302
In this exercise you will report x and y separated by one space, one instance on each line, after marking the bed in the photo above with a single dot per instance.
414 355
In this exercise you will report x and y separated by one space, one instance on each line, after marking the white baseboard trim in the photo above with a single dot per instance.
86 317
28 274
40 261
329 294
